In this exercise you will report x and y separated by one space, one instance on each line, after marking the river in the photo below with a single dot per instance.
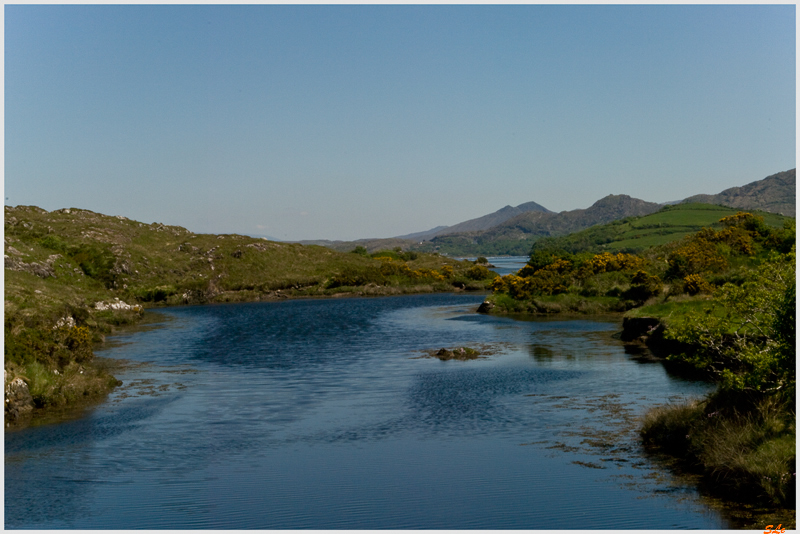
328 414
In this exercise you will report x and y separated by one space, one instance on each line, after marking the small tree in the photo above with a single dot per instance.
750 347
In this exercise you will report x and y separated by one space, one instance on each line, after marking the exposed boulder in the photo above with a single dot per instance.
485 307
19 402
634 328
117 305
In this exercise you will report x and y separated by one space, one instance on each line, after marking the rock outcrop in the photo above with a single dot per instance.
19 402
42 270
485 307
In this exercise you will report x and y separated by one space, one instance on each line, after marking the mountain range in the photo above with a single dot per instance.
775 194
512 230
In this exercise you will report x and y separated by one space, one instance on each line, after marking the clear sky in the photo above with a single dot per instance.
346 122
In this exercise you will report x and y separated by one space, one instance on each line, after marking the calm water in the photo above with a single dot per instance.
325 414
504 265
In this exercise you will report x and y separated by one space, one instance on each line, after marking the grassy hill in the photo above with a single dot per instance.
71 275
634 234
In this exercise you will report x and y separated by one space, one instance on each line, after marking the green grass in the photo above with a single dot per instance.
69 384
677 307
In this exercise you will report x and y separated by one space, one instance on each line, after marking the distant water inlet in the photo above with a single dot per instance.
337 413
504 265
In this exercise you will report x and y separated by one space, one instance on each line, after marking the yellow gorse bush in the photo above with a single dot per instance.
517 287
498 285
700 254
607 262
694 284
741 218
423 273
77 340
559 266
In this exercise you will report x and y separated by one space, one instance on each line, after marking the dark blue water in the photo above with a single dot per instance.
325 414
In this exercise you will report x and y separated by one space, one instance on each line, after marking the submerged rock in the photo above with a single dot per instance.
460 353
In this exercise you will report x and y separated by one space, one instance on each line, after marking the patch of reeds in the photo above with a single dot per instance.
71 384
745 450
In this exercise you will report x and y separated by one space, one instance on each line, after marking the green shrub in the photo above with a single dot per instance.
548 282
96 262
643 287
392 254
351 276
541 258
479 272
155 294
53 242
23 344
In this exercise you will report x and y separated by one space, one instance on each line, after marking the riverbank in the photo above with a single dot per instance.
740 441
50 370
308 405
72 276
716 305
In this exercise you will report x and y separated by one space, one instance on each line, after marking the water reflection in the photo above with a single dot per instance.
541 354
320 414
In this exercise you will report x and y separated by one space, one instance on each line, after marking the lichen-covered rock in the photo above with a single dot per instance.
19 402
117 305
42 270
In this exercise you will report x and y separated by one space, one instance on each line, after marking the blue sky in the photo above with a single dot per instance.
346 122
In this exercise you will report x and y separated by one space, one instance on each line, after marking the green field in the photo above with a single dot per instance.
635 234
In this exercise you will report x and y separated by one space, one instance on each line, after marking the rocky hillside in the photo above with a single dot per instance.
491 220
607 209
775 194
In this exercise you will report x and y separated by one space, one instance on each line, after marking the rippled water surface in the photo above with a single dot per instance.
328 414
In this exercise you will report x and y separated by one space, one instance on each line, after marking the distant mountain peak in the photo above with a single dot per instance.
533 206
479 224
